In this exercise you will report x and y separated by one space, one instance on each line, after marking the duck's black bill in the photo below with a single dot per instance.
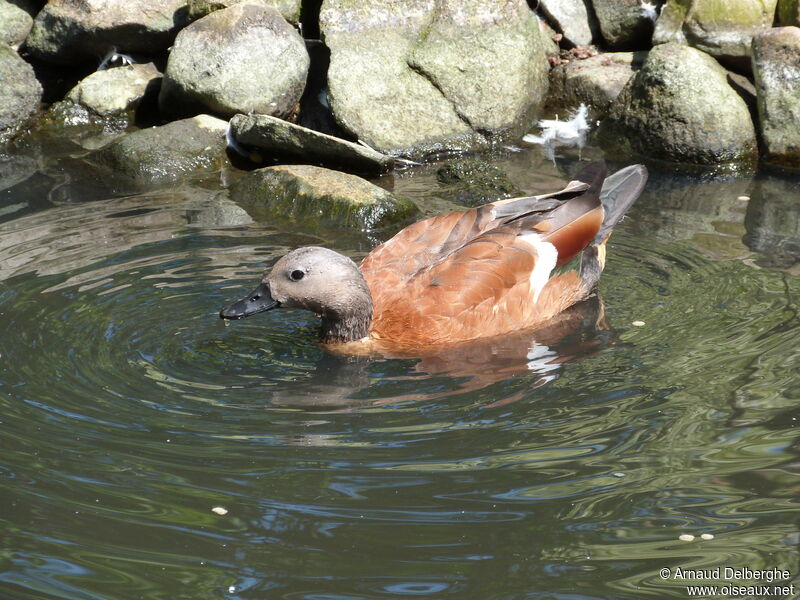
259 300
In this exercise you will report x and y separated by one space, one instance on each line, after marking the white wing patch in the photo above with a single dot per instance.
546 259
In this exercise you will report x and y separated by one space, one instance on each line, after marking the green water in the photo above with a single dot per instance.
561 464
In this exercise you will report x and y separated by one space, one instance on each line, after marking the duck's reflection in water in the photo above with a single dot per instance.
347 382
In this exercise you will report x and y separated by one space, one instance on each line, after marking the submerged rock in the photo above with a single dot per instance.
289 9
679 107
624 24
169 152
570 18
722 28
316 196
473 182
16 20
241 59
20 93
421 76
69 31
595 81
776 66
286 140
105 100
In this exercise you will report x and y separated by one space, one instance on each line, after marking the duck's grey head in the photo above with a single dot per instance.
319 280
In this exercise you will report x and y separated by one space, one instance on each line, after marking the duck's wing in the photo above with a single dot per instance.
433 240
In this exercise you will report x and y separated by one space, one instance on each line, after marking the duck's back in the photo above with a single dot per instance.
484 271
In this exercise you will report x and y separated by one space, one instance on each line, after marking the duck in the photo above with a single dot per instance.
488 271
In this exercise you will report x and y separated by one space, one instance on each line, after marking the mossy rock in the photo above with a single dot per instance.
316 196
170 152
474 182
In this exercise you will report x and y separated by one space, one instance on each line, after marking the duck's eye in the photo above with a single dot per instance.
297 275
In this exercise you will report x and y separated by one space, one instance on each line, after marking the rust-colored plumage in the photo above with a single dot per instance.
464 275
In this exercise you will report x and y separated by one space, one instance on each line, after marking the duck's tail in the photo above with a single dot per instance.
619 192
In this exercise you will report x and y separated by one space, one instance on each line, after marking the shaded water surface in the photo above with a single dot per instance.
561 464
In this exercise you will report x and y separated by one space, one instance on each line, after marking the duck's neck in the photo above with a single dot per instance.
350 321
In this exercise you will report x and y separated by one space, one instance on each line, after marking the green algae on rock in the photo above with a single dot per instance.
680 107
319 196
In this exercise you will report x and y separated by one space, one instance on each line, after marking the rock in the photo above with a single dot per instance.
623 24
169 152
105 101
117 90
772 222
679 107
423 76
474 182
289 9
776 66
20 93
16 168
69 31
241 59
595 81
315 195
286 140
789 12
722 28
570 18
16 20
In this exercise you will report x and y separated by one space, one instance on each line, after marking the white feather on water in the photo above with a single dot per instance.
555 133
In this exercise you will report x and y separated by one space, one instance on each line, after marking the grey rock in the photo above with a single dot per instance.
595 81
788 12
241 59
424 76
722 28
286 140
69 31
569 17
20 93
114 91
16 20
623 24
776 66
170 152
104 102
289 9
315 196
679 107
